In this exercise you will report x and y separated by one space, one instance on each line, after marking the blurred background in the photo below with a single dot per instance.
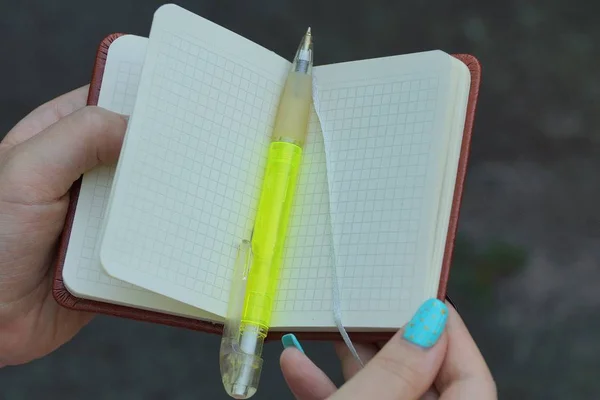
525 274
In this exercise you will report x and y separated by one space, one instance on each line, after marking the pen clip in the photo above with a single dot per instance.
240 370
237 293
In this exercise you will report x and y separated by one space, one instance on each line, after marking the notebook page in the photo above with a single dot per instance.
82 273
189 173
456 118
192 262
385 136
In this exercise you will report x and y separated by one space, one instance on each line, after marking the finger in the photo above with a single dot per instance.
350 366
431 394
406 366
305 380
46 115
44 167
464 373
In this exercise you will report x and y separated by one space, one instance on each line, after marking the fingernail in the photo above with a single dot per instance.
428 323
290 340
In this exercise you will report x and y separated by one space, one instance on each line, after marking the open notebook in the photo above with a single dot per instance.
160 230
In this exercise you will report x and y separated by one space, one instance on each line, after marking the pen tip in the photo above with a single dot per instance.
308 31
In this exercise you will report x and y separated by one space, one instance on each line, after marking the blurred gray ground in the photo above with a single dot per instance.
532 180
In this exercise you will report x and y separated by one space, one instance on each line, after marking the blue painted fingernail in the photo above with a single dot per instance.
428 323
290 340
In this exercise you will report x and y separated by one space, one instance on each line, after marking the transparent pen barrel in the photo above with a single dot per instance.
270 230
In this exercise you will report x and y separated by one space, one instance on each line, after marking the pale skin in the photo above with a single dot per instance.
40 159
453 369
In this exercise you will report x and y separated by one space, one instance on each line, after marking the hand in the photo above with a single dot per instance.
405 368
40 158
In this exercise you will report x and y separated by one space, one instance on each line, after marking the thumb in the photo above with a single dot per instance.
43 168
407 365
305 380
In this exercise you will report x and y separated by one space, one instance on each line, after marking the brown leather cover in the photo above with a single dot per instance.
66 299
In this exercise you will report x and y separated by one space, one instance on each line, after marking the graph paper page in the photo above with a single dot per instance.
386 130
83 274
190 169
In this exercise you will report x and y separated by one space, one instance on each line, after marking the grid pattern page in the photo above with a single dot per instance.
383 137
189 174
82 271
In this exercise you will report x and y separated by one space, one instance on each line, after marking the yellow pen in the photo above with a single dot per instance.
259 261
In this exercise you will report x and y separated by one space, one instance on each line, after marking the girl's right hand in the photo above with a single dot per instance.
432 357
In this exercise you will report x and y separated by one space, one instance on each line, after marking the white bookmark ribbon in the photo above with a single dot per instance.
336 298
